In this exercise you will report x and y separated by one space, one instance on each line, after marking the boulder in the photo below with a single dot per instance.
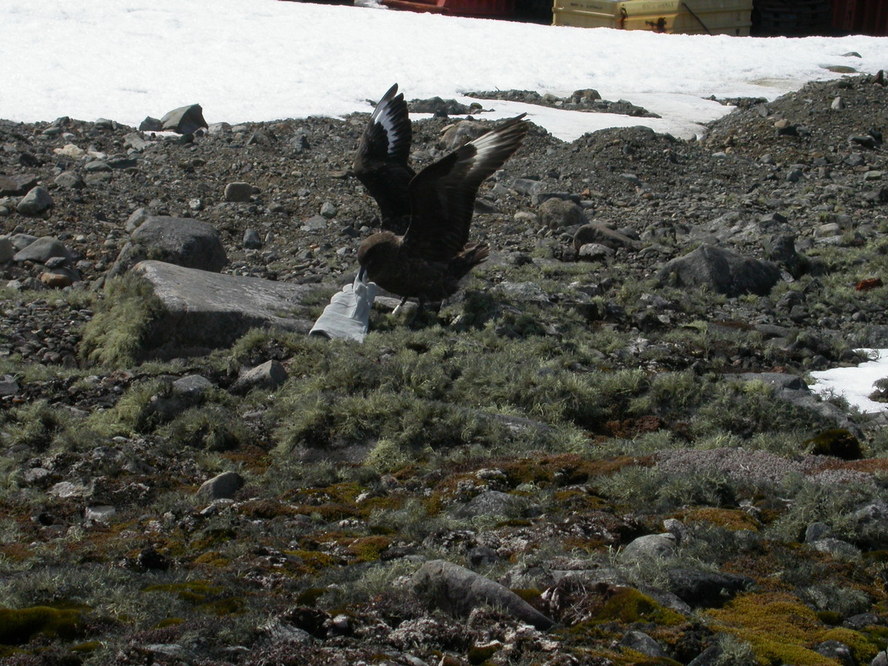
205 310
720 270
192 388
649 546
151 125
136 218
701 588
221 486
58 278
528 186
458 591
181 241
871 522
641 642
8 385
268 375
711 656
794 390
69 180
838 652
41 250
184 120
21 241
251 240
35 202
594 252
556 213
493 503
836 548
238 191
16 184
780 249
7 249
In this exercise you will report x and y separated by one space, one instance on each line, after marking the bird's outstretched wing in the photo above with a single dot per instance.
381 160
442 195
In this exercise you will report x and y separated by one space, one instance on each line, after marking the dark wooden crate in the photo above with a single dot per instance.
791 17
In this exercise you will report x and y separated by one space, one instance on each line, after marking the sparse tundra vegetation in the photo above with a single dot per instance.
600 450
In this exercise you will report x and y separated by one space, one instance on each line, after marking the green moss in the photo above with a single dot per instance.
310 596
135 411
212 559
732 519
123 314
312 561
836 442
261 344
478 654
594 619
18 626
577 500
265 509
203 595
781 630
831 618
35 426
630 656
226 606
389 456
195 592
210 427
530 594
327 511
210 538
748 408
368 549
863 648
87 647
628 605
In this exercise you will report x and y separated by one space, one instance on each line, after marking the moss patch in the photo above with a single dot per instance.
123 315
836 442
781 629
18 626
732 519
203 595
627 605
369 549
194 592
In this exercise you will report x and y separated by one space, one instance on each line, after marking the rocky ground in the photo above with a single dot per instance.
601 451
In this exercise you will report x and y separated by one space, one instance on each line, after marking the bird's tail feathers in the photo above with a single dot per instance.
470 256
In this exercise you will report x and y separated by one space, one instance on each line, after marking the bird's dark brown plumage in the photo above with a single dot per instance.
382 160
429 259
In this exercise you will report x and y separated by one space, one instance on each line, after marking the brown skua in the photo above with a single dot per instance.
429 259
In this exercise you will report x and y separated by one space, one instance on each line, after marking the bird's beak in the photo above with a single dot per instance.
362 275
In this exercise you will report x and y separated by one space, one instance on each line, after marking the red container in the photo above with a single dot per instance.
864 17
474 8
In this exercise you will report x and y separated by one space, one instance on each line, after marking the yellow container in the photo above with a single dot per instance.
717 17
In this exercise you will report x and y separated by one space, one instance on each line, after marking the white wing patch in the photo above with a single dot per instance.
383 115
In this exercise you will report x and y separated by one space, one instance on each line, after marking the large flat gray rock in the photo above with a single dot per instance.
211 310
458 590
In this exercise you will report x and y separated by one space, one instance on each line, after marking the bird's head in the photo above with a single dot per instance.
376 251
